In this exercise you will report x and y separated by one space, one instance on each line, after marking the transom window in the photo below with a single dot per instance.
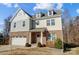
23 23
14 25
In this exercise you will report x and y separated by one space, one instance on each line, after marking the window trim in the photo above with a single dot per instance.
37 22
14 25
52 22
50 13
51 36
48 23
23 24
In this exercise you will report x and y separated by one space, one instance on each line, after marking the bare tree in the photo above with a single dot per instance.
66 19
74 31
1 39
6 29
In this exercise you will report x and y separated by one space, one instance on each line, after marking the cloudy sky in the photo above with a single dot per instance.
7 9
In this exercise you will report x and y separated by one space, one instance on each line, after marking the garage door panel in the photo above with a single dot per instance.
19 41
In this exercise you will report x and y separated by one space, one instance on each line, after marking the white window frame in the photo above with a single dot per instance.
51 36
23 24
37 22
52 22
48 23
14 25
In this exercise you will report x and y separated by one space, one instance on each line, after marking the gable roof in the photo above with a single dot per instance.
17 13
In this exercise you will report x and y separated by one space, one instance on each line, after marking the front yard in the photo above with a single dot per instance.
32 51
73 51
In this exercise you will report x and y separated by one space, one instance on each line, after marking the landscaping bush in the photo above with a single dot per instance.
58 44
43 45
28 45
39 44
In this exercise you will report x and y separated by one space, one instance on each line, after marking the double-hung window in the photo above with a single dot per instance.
14 25
51 36
52 22
48 22
23 23
37 22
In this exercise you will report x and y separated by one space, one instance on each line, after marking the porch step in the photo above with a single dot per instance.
34 45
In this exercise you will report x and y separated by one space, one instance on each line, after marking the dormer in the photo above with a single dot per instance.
38 15
50 12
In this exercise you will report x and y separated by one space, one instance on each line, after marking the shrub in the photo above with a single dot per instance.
39 44
28 45
58 44
43 45
66 47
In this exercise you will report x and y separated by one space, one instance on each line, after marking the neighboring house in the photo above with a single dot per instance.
43 28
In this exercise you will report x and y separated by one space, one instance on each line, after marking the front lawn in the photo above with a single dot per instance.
34 51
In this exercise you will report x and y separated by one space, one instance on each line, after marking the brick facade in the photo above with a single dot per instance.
59 35
34 39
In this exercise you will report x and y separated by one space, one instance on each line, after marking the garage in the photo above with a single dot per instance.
19 41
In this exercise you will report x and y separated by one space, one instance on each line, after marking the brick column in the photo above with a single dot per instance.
41 40
10 40
29 37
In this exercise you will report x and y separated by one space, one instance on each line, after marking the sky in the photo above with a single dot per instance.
7 9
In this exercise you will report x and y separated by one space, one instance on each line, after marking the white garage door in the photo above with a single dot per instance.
19 41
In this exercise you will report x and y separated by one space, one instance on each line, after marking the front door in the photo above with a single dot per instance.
38 37
33 37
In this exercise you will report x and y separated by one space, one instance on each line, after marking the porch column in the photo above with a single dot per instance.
41 38
29 37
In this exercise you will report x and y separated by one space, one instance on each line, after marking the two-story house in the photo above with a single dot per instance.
43 28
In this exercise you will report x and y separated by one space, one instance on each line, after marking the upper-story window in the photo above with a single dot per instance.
14 25
52 22
37 22
48 22
23 23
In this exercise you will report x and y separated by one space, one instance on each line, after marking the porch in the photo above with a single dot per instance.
37 35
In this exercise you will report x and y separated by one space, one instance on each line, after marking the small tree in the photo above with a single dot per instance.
58 44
